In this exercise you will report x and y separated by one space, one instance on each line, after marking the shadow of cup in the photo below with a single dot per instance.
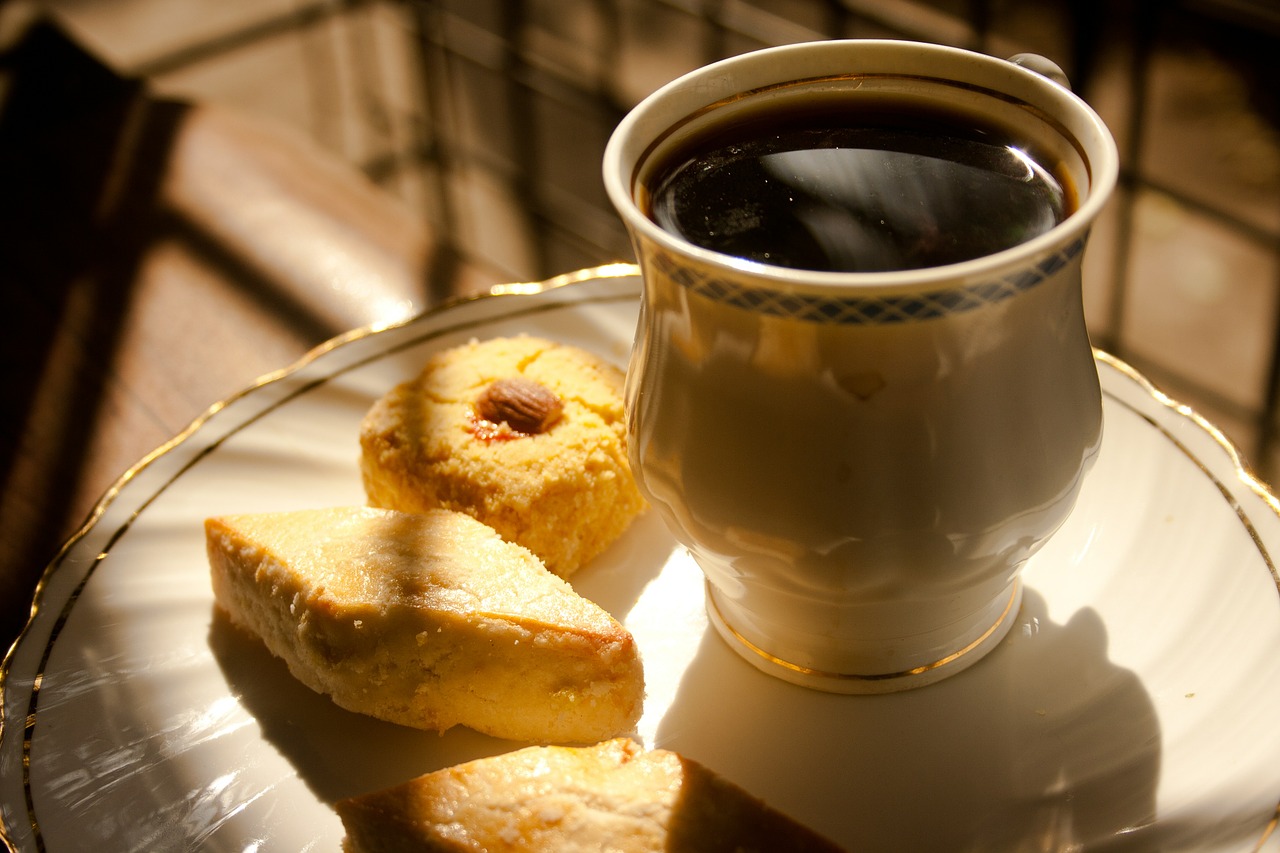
1044 745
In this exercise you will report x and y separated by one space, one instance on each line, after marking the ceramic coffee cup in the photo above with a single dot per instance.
862 461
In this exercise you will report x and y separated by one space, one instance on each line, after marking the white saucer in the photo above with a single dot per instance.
1134 705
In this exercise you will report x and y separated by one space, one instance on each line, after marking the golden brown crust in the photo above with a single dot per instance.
565 493
427 620
612 796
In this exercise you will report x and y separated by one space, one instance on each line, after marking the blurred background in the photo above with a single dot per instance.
477 127
488 119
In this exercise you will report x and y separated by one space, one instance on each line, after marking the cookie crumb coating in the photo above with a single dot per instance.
611 796
428 620
565 493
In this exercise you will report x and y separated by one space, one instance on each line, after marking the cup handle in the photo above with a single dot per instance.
1043 67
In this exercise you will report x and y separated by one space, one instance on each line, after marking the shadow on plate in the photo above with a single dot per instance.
337 753
1044 745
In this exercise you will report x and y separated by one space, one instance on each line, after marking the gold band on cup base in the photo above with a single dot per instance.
865 683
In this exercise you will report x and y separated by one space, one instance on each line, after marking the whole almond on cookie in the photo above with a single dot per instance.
522 404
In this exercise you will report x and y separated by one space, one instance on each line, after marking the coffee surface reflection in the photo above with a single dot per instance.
866 190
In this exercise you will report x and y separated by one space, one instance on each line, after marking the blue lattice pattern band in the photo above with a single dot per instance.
865 311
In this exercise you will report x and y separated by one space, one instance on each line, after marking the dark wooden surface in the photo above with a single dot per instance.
156 258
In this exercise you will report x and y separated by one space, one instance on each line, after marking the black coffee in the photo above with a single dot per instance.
867 188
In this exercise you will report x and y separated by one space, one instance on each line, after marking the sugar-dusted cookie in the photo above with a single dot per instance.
428 620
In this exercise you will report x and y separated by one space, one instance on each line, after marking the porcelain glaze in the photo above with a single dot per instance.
1132 706
862 462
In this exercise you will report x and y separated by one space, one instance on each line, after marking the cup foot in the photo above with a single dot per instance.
917 675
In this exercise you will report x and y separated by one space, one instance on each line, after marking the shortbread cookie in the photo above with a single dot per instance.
524 434
427 620
612 796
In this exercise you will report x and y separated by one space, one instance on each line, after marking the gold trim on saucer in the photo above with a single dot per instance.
526 288
1266 833
49 611
38 604
1243 473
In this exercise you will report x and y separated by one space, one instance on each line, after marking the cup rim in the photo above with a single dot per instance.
708 84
